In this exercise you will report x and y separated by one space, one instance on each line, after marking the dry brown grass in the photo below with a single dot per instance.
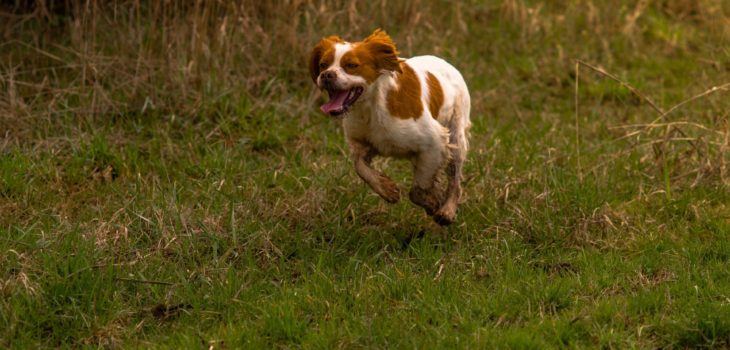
124 56
94 59
701 150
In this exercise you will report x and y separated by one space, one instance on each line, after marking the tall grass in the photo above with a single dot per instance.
98 59
118 55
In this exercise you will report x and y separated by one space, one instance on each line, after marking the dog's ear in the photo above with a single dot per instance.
317 53
383 50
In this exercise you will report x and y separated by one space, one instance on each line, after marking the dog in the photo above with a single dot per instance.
416 108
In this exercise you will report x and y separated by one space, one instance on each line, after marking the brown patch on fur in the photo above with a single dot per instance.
404 101
371 56
383 51
323 54
435 95
358 61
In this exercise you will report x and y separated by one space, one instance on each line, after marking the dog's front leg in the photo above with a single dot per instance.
362 156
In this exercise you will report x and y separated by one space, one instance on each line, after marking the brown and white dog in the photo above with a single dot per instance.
416 108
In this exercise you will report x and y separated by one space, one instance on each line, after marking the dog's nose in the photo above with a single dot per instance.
329 75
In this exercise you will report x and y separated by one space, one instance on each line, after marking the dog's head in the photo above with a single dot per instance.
346 69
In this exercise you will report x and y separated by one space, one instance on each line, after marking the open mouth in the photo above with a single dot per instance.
341 100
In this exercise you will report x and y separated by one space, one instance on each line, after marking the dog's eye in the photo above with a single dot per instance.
322 65
351 65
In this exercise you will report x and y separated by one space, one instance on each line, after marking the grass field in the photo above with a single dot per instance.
166 179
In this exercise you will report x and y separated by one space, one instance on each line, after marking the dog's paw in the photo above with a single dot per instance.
445 216
425 199
389 190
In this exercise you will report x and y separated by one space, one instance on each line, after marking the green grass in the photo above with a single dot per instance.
228 215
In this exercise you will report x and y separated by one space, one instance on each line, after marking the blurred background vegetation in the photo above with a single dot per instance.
94 60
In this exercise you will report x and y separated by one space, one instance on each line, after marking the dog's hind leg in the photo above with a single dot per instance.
458 144
362 155
425 193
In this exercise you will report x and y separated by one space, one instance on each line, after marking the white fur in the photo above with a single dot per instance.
340 50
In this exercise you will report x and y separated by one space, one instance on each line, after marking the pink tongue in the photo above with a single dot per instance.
336 102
